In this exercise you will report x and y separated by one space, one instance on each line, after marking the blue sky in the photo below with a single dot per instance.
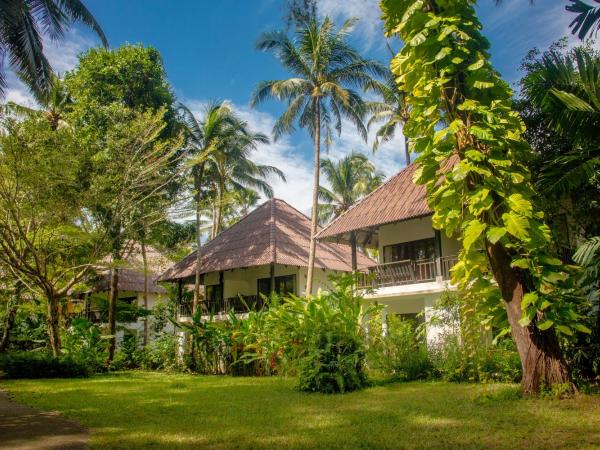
208 52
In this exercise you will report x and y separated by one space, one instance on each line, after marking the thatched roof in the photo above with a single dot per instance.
275 232
398 199
129 281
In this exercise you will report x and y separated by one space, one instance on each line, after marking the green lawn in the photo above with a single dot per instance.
150 410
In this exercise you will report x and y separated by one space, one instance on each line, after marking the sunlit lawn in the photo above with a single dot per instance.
148 410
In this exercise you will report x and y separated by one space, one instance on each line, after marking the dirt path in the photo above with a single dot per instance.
22 427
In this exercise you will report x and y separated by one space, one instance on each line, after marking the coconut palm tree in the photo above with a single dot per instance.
391 112
53 103
231 169
22 24
321 93
350 178
204 137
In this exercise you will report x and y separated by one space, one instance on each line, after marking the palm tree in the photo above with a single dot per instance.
567 89
392 110
587 18
205 137
21 36
53 102
326 69
232 170
350 178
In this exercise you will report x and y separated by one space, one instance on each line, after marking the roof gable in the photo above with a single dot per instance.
275 232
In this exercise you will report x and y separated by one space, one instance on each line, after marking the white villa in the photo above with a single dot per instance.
414 259
266 251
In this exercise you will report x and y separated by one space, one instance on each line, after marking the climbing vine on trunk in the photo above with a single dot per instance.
471 160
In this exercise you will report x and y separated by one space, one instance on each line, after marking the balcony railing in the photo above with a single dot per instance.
405 272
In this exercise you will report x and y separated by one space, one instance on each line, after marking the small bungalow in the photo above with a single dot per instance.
414 263
92 304
266 251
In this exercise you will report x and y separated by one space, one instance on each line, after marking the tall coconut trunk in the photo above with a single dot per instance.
541 358
315 200
198 186
145 295
53 322
218 226
11 315
406 151
112 312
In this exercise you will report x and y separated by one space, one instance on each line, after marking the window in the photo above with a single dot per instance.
214 292
283 285
414 250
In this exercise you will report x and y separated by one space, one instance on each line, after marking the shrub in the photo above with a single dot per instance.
320 338
83 340
41 364
334 363
499 362
161 354
400 353
129 355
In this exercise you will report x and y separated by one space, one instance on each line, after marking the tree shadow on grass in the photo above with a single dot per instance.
224 412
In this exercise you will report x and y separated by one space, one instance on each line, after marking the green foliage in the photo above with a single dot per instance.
23 26
400 352
41 364
350 178
472 156
161 354
132 76
83 340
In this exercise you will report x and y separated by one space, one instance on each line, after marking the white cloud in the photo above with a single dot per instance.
369 26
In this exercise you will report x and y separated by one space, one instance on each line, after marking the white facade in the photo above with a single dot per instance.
419 297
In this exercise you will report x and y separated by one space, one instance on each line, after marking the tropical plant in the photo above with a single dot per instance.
565 88
45 236
587 18
21 37
229 169
204 137
471 160
350 179
392 110
326 69
123 113
53 103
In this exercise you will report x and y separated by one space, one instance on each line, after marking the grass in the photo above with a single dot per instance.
152 410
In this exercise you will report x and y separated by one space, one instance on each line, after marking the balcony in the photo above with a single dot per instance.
406 272
239 305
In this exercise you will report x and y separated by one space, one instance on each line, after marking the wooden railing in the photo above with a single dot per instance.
238 304
400 273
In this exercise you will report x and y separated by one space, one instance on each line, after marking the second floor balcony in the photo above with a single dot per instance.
399 273
218 307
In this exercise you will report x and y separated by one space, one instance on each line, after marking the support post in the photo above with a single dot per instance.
439 276
272 279
353 245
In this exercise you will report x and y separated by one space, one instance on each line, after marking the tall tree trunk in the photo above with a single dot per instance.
112 311
406 152
145 263
198 186
353 250
541 357
11 314
219 216
315 201
53 323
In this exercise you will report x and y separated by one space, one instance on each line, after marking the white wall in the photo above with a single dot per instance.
414 230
